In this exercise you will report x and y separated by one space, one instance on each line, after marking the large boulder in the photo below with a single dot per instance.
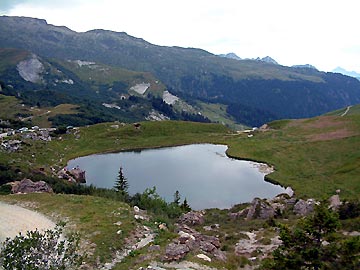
28 186
303 208
192 218
175 252
260 209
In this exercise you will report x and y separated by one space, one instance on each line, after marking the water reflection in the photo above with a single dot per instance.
202 173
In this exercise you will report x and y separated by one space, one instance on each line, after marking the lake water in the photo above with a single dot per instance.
201 172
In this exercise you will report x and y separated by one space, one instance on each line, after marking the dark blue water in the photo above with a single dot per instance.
202 173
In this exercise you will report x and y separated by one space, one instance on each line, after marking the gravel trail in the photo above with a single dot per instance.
15 219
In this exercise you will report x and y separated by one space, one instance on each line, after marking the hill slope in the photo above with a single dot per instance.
255 92
314 156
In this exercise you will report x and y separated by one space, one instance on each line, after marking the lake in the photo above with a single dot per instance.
202 173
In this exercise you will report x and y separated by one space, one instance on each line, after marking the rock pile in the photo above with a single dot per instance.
191 240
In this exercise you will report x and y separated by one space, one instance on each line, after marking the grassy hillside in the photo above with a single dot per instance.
314 156
111 137
12 108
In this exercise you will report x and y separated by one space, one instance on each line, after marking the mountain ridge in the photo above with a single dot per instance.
245 87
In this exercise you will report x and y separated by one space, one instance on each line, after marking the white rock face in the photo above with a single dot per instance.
84 63
140 88
169 98
30 70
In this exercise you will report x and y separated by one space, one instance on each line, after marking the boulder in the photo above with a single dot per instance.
289 191
304 208
335 202
260 209
175 252
192 218
184 237
28 186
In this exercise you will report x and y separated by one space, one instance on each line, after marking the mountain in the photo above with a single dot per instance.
95 92
267 59
230 56
252 92
347 73
304 66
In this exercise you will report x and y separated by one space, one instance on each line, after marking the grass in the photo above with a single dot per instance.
11 108
217 113
11 57
41 115
103 74
314 156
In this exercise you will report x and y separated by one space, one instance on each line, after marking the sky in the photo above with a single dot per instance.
323 33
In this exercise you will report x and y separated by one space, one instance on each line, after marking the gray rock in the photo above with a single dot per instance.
335 202
175 252
304 208
260 209
28 186
192 218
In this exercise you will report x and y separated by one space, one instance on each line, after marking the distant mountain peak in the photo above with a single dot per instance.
347 73
267 59
305 66
231 56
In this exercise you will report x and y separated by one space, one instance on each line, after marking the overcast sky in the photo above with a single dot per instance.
324 33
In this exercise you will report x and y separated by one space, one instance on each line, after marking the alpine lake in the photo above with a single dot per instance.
202 173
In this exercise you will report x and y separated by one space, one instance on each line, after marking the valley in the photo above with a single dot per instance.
67 94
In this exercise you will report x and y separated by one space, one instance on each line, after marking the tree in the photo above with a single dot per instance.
177 197
41 251
121 184
185 206
312 244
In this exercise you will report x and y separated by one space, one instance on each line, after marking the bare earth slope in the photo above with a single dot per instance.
15 219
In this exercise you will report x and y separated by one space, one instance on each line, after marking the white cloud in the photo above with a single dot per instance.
322 33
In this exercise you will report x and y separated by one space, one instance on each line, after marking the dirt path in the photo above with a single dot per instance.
347 110
15 219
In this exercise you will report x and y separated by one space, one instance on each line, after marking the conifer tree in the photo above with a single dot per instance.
121 184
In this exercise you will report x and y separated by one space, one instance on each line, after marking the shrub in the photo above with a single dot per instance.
43 251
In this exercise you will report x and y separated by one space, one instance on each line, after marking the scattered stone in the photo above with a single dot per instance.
119 223
75 175
154 248
163 227
203 257
138 217
28 186
136 209
212 227
119 232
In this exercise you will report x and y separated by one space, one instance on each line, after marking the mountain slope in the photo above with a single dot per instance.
245 86
97 91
